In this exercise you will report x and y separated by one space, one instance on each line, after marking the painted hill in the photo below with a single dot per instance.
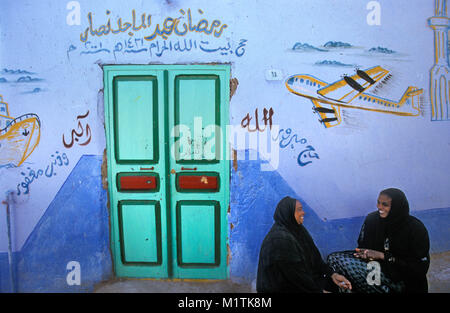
381 50
305 47
337 44
333 63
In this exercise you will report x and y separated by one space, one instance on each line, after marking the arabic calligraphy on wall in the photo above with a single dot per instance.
157 48
81 135
19 136
287 139
266 119
169 36
57 160
169 27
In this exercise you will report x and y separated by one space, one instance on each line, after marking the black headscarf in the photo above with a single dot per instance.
284 216
399 209
408 242
289 261
376 229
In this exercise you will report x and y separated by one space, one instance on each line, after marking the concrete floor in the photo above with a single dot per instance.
438 281
171 286
439 273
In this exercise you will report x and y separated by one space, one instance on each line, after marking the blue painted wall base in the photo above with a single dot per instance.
75 227
254 196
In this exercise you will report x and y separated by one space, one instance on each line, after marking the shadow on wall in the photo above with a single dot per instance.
254 196
75 227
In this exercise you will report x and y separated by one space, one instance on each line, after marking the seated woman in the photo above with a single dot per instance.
396 241
289 261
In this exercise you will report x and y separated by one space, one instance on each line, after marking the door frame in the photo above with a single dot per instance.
109 71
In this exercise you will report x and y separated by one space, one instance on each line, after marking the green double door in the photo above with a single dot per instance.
168 172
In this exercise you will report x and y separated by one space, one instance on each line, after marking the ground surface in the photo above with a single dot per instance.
438 280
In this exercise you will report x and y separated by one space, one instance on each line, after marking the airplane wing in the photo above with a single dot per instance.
329 116
348 88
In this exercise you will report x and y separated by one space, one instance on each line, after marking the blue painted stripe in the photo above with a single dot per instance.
254 196
75 227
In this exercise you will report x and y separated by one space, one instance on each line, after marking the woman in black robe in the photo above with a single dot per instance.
396 241
289 261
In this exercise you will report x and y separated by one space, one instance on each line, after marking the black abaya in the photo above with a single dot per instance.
289 261
404 240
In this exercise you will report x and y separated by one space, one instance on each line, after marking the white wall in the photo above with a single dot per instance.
366 153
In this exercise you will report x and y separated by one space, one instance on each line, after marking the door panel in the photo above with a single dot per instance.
197 106
197 182
168 185
137 179
140 231
199 248
135 182
136 114
199 171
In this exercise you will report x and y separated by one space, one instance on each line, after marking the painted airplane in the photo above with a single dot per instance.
350 92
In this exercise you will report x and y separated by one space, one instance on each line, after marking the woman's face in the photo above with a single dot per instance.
384 205
299 213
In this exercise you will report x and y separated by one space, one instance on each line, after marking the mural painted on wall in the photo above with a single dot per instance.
19 136
288 139
164 29
266 119
81 135
49 171
439 73
352 92
285 137
158 39
25 81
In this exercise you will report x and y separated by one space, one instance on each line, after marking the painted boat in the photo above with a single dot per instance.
18 136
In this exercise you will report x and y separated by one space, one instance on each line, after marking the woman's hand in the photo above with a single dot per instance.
368 254
341 281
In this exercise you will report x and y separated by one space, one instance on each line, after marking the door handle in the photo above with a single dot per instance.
188 169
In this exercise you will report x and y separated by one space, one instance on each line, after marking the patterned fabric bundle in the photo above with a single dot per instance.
361 274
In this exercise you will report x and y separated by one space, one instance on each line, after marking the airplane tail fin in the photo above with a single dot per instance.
330 116
411 96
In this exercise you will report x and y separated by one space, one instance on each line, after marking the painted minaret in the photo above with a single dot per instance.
439 79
